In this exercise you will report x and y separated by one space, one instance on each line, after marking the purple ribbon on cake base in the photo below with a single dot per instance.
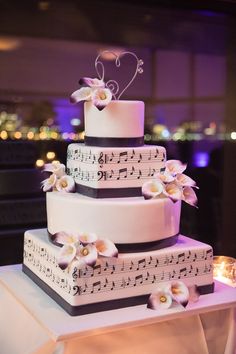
108 192
113 142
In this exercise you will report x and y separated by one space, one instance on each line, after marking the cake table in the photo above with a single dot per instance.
32 323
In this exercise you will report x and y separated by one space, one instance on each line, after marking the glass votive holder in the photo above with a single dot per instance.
224 269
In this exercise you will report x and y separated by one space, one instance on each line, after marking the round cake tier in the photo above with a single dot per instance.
125 221
120 123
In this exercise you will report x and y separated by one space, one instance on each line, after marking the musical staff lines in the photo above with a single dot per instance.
130 173
117 274
101 158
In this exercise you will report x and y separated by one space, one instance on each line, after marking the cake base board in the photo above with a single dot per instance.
100 306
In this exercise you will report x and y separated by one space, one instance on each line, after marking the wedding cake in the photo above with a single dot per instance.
115 240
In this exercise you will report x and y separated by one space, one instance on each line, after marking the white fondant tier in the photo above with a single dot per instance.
127 276
106 167
122 220
119 119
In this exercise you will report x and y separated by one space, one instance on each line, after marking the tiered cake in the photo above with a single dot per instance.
109 170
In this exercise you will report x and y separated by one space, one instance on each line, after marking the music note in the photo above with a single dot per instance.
122 154
97 269
138 280
133 154
96 286
208 254
182 273
140 158
111 157
122 173
132 171
141 263
180 257
156 154
139 174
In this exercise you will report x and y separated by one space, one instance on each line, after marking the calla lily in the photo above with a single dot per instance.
189 196
152 189
87 254
83 94
193 293
66 255
65 184
165 177
55 167
172 191
179 292
106 248
94 83
101 97
159 300
184 180
65 238
175 166
49 183
86 238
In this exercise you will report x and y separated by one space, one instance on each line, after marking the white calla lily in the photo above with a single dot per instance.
173 191
179 292
175 166
106 248
83 94
49 183
101 97
159 300
185 180
65 238
55 167
94 83
86 238
66 255
165 177
65 184
87 254
152 189
189 196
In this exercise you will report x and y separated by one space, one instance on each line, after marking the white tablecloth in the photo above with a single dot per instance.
207 333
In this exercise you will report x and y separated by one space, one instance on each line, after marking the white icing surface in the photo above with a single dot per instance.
127 276
98 167
120 119
122 220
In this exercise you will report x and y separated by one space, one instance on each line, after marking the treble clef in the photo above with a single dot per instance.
100 159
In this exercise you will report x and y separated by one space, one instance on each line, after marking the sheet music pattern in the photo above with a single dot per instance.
129 174
127 156
120 274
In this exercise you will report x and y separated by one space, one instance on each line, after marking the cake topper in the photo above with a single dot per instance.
99 91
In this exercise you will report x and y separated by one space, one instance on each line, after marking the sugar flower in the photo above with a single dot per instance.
175 291
82 249
175 166
179 292
55 167
49 183
189 196
172 183
65 184
101 97
152 189
159 300
95 91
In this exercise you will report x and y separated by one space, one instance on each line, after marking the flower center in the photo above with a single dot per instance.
51 178
154 188
64 184
175 290
163 299
102 96
84 252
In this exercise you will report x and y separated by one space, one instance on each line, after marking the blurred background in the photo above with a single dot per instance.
188 86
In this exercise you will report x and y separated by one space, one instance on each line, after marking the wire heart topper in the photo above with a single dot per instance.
113 85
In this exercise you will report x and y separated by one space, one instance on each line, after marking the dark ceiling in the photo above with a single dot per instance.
128 22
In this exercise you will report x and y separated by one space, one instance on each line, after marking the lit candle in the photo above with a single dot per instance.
224 269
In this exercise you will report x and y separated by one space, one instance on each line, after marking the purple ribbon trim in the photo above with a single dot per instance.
108 192
99 306
113 142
